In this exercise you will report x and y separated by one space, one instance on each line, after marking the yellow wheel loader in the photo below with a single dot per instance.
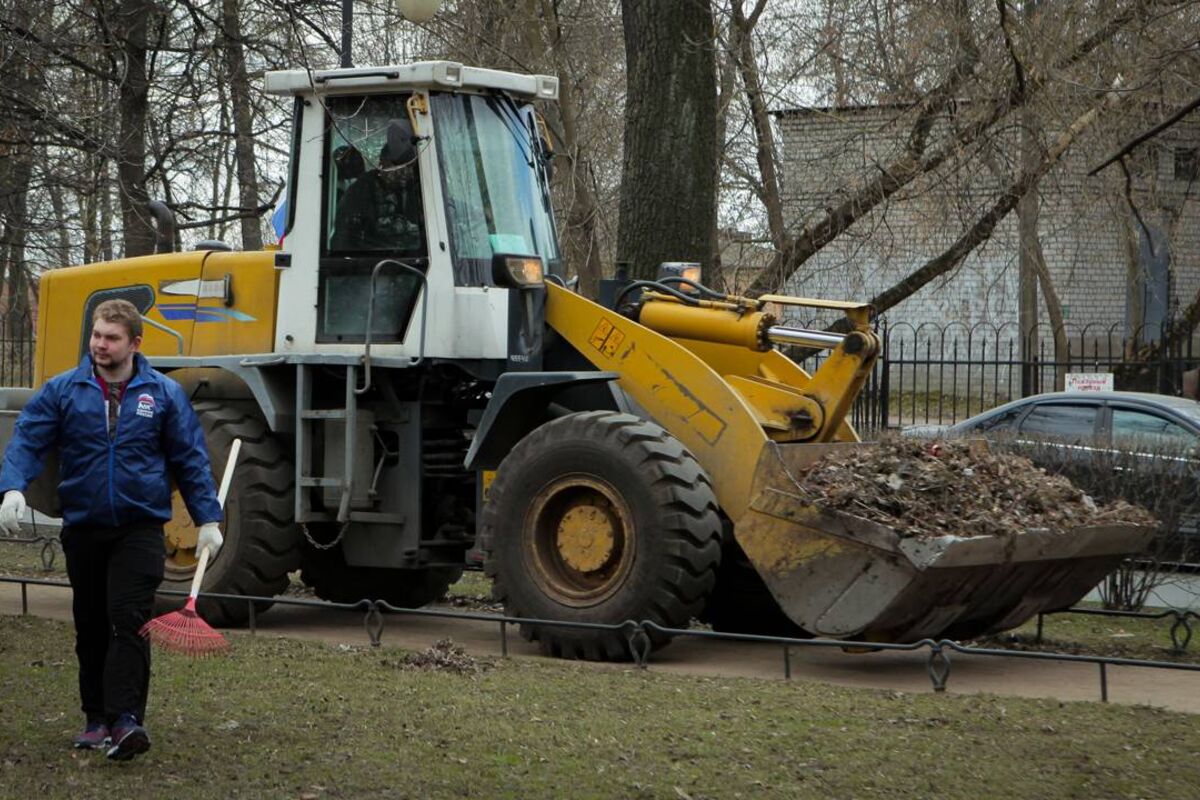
414 381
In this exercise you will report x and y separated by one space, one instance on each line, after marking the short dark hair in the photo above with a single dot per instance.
123 312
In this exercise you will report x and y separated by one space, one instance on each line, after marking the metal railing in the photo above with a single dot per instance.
16 348
637 634
944 374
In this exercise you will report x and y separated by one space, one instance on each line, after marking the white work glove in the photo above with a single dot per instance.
11 512
210 537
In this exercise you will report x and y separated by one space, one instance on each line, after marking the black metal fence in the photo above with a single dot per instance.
937 653
941 374
16 349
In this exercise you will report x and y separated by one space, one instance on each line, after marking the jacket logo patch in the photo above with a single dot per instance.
145 406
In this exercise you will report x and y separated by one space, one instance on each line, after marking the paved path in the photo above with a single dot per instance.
1173 689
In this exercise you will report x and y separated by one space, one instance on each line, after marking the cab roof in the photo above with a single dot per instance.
443 75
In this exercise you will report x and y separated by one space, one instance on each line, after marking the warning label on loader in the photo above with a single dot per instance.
607 338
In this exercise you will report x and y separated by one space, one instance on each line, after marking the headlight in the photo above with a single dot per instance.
688 270
517 271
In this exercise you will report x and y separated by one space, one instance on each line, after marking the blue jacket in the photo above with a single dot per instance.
103 482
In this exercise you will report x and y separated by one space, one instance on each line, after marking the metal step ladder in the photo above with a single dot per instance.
307 473
312 423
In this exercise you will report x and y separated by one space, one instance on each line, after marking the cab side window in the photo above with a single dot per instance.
373 187
372 210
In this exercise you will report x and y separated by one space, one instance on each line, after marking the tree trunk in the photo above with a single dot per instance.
1028 211
1134 286
1033 266
134 18
104 198
669 175
14 214
1055 311
17 155
63 241
582 240
243 122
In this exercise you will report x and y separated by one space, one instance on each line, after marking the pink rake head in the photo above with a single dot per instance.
184 631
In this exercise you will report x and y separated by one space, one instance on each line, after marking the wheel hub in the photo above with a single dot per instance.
587 537
579 538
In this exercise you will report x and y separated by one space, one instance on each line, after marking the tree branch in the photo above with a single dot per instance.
1129 146
983 228
17 30
810 239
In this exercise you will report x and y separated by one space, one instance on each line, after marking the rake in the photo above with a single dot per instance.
185 631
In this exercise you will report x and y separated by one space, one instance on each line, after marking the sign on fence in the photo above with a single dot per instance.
1089 382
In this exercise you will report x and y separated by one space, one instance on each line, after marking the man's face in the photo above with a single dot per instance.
111 345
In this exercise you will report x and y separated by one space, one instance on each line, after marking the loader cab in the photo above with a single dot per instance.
423 174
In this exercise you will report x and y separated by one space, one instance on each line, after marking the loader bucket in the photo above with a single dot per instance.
840 576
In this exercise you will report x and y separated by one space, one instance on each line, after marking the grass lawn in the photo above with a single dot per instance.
1118 637
287 719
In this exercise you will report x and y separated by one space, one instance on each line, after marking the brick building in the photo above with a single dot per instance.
1104 269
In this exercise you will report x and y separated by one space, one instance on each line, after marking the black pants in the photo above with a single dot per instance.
114 573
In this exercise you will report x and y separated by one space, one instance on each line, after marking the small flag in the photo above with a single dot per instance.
279 219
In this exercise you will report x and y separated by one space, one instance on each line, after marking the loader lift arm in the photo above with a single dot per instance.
703 368
706 372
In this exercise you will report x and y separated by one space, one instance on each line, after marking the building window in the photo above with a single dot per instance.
1187 163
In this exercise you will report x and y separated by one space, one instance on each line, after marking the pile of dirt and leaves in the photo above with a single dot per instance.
925 489
444 656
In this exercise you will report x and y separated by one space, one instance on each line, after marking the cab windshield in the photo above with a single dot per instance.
495 184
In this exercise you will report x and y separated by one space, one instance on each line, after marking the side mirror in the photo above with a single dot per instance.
399 149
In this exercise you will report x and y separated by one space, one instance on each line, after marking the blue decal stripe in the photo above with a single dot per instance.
190 311
223 314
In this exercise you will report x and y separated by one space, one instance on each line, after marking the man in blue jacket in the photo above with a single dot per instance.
122 430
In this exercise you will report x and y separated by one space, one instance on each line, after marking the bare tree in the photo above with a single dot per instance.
243 120
975 74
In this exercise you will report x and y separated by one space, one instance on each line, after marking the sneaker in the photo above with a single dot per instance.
94 736
128 739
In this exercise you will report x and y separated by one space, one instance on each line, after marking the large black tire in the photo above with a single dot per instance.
600 517
331 579
262 541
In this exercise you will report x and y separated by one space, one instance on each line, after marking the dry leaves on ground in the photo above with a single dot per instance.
444 656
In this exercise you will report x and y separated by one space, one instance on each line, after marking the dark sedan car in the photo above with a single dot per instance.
1122 420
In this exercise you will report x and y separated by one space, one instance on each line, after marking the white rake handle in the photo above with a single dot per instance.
226 479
